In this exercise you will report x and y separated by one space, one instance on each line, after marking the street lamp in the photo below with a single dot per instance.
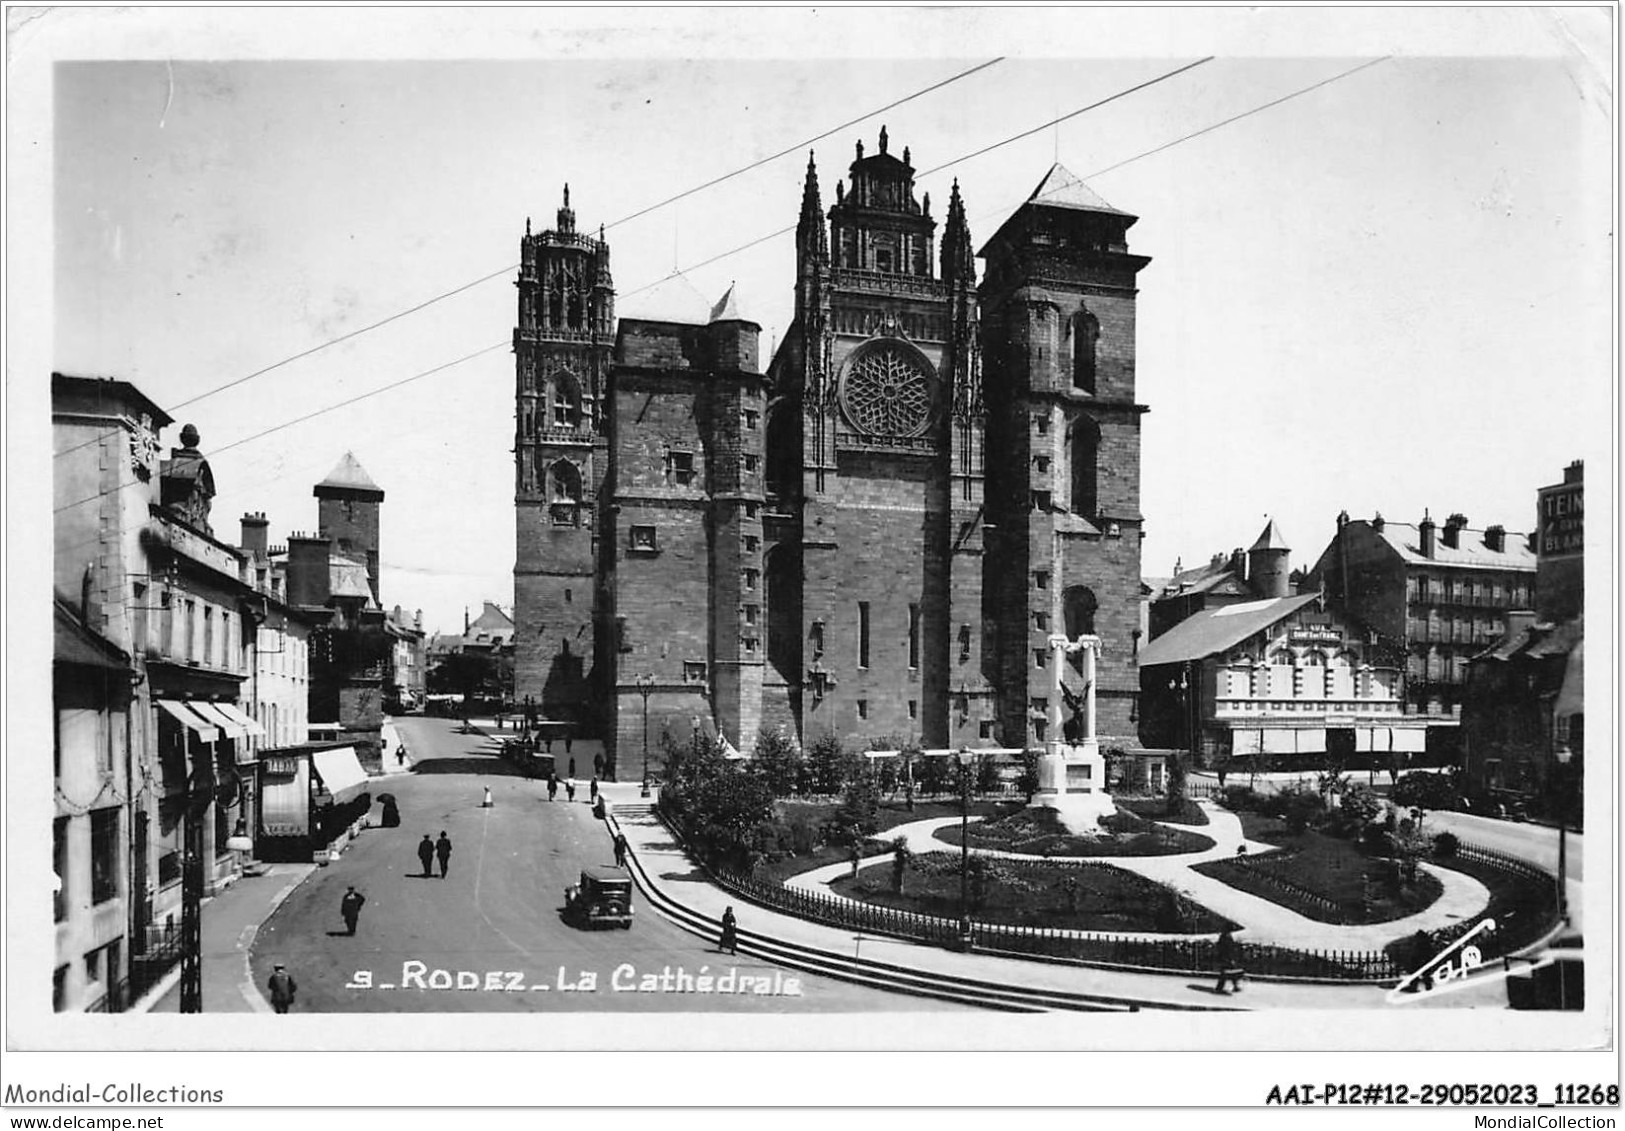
1563 754
965 759
646 684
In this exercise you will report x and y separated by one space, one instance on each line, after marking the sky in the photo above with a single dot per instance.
1390 293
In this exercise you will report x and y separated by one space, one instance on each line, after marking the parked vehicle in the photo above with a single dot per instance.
602 898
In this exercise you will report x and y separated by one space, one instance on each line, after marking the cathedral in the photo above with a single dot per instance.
874 534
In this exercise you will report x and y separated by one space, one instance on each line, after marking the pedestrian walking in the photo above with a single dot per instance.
620 850
730 933
487 803
593 788
552 786
856 857
1226 954
442 849
572 760
597 765
426 853
282 987
350 908
570 789
400 753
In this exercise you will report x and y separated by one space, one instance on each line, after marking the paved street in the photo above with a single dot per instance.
489 937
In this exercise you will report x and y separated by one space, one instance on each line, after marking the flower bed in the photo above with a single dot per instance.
1081 896
1187 812
1039 832
1328 880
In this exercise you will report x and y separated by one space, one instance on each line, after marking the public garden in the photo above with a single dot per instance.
1325 879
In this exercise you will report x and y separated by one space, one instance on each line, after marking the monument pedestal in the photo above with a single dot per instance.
1072 782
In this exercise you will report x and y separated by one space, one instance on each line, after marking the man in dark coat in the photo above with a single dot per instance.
552 786
730 932
570 789
620 850
350 908
1228 958
426 853
442 849
282 987
593 788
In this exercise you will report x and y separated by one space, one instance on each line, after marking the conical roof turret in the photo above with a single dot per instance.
811 235
958 255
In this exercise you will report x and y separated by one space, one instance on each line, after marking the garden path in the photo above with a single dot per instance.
1260 920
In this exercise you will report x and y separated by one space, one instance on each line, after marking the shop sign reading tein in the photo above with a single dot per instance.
1562 520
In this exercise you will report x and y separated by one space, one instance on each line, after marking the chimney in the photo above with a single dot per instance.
1378 522
1238 563
1429 532
255 542
309 577
1495 538
1342 519
1575 472
417 620
1517 621
465 620
1452 530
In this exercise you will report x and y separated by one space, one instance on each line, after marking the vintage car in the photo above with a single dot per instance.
603 898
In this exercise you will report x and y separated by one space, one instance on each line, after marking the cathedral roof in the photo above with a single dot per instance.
673 299
349 475
1061 188
727 309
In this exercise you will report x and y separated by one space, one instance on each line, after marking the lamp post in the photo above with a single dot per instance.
646 684
965 758
1563 754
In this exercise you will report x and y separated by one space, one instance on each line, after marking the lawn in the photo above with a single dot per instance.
1099 897
813 814
1188 812
1322 877
1523 909
1039 832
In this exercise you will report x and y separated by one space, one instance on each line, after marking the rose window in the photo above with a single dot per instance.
887 392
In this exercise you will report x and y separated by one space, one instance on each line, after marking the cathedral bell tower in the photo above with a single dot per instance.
562 347
1058 308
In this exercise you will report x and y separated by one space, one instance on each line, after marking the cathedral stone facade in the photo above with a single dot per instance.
873 537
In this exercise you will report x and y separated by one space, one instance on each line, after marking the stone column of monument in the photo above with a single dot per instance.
1072 775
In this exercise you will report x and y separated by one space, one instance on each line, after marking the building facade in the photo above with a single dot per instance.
824 544
1444 594
1523 722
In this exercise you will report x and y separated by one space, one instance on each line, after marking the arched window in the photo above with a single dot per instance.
575 310
565 396
1085 454
564 484
782 567
1313 659
1085 330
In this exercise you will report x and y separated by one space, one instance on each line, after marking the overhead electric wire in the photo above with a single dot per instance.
358 331
783 231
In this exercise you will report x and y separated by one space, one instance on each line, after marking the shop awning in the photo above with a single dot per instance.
1246 742
1411 740
1278 741
339 769
1571 698
181 713
212 713
232 711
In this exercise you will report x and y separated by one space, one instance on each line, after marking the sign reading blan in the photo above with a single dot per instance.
624 978
1562 521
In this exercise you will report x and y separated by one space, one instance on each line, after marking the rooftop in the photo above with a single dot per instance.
1217 630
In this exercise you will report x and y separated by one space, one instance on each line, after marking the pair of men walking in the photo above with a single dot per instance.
430 850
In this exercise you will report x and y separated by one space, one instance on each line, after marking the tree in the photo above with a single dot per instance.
777 759
827 763
1027 782
1178 774
901 855
886 775
1219 763
933 775
987 774
860 804
1360 805
1259 763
